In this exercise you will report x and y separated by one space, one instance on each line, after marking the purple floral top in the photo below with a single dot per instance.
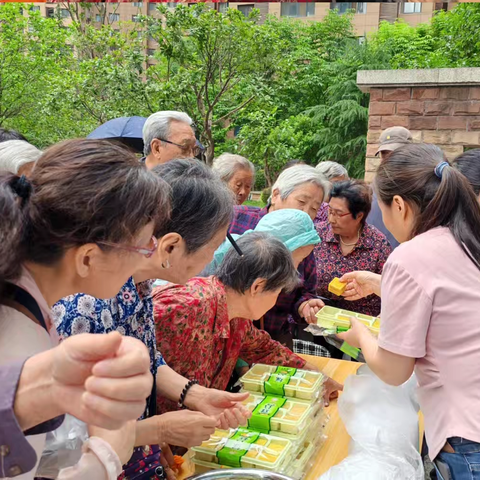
370 253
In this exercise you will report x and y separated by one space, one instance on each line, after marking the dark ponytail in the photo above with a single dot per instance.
440 197
12 218
81 191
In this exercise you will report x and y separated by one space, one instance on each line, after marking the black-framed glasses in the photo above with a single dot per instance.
194 149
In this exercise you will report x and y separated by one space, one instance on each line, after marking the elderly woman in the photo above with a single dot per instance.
349 243
204 326
200 213
237 172
303 188
333 172
18 157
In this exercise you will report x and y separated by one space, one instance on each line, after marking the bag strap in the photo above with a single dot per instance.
22 297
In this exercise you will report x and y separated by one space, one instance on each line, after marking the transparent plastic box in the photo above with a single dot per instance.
296 464
242 448
336 320
284 382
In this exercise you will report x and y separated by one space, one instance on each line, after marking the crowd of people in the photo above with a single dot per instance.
134 291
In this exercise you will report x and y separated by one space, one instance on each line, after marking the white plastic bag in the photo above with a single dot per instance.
63 447
383 423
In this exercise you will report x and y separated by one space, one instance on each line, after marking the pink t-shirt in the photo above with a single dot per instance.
431 312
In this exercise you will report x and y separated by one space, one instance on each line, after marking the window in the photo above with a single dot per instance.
50 12
361 40
135 18
246 9
34 8
114 17
411 7
173 5
151 52
64 13
138 4
98 17
152 7
223 7
297 9
361 7
343 7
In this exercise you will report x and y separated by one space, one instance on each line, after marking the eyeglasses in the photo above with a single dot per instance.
147 251
194 149
336 213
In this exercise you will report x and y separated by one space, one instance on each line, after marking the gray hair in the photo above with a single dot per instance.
16 153
157 125
264 256
202 204
227 164
293 177
332 170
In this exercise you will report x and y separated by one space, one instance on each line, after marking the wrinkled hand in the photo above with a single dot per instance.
308 310
185 428
225 406
331 389
360 285
353 335
103 380
122 440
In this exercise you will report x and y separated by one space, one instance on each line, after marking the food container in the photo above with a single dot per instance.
296 465
284 382
336 320
246 449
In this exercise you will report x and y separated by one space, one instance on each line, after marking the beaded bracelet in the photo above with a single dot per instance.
188 386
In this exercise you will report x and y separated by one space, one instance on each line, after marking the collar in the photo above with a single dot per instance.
221 322
365 241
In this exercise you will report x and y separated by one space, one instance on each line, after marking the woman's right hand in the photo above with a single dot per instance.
185 428
361 284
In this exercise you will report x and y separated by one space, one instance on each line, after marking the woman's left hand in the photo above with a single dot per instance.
353 335
226 406
308 309
331 389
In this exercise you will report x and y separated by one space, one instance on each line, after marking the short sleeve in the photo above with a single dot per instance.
406 313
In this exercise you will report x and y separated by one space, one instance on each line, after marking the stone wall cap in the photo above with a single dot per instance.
445 77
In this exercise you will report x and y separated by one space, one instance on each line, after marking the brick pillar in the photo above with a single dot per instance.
439 106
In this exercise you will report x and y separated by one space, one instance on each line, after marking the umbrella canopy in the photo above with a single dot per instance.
127 130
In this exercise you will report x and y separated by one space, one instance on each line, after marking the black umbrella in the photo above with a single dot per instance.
127 130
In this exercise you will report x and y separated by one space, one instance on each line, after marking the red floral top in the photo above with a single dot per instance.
370 253
199 341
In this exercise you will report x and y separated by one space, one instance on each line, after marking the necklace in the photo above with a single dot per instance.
351 244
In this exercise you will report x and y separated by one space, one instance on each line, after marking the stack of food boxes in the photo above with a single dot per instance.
285 428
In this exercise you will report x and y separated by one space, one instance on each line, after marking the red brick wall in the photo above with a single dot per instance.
446 116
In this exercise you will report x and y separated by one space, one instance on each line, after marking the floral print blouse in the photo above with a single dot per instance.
129 313
199 341
370 253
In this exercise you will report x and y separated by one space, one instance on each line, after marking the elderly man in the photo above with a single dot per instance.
390 139
168 135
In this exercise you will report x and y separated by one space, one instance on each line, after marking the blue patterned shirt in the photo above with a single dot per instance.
129 313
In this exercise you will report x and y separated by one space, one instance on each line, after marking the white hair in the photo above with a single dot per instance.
292 178
16 153
227 164
332 170
157 125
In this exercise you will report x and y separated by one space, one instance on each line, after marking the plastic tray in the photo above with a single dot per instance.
242 448
331 318
277 414
296 466
283 382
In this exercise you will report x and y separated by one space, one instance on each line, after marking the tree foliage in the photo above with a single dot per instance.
287 88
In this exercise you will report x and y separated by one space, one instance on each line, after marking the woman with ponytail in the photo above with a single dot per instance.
430 291
82 223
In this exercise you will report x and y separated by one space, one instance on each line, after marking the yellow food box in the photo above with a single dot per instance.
337 287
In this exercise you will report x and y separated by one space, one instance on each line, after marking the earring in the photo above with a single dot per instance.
167 264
